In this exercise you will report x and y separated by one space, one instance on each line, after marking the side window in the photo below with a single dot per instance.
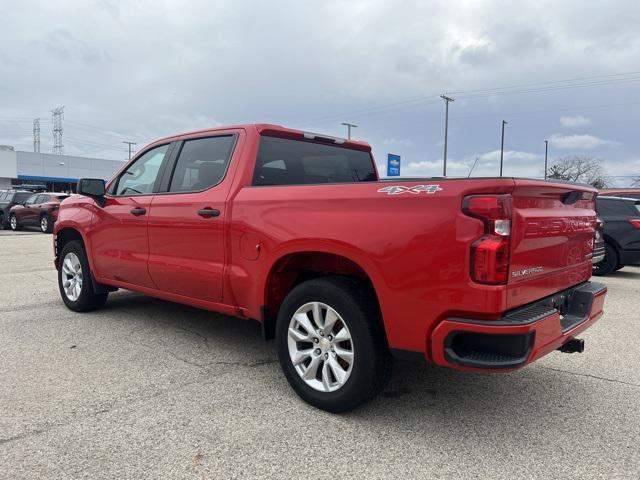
141 175
202 163
20 197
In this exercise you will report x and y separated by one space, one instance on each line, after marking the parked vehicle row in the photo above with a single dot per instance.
297 231
621 233
22 208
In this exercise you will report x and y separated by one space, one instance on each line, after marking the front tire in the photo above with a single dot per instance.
13 223
608 265
74 280
331 343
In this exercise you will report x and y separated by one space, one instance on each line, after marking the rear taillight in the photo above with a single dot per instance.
490 253
635 222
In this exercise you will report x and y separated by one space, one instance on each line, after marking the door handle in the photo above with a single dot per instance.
209 212
138 211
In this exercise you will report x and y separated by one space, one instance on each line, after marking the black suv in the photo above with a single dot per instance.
9 198
621 217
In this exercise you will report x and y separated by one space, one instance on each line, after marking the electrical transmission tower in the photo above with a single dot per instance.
57 114
36 135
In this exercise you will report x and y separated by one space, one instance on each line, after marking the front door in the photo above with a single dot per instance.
28 214
119 229
186 223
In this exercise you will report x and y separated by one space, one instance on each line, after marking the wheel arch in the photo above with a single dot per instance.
294 267
65 234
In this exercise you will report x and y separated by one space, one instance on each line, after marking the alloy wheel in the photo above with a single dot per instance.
72 276
320 347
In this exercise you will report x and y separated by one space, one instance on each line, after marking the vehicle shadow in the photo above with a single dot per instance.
419 396
627 273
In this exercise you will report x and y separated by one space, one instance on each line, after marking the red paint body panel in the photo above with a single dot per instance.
415 248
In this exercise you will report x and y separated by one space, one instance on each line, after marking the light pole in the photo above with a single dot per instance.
349 127
546 150
502 147
446 131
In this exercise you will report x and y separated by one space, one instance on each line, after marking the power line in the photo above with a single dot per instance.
462 92
542 87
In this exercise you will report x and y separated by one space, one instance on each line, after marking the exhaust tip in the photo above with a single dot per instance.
574 345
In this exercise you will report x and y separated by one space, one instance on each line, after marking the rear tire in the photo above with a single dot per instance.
608 265
75 281
13 222
354 363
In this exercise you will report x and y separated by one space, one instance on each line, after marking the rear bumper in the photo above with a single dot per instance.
521 336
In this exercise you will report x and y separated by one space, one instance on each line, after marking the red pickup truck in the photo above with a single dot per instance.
296 230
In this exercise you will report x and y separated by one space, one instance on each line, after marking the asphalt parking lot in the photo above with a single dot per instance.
150 389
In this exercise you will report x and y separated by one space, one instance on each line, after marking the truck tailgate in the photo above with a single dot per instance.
553 226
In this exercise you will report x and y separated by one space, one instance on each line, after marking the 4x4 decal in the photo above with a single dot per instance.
398 189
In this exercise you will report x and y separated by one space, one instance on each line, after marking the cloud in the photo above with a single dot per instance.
575 121
511 156
579 142
404 142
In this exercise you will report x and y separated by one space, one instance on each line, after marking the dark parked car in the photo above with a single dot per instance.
39 209
9 198
598 242
621 218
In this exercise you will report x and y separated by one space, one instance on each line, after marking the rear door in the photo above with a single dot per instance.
119 229
187 220
552 229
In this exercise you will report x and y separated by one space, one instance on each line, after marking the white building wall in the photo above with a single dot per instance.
46 165
8 164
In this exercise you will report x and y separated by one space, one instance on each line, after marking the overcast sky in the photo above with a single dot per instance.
139 70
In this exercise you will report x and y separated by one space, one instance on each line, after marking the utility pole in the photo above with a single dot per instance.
546 150
446 130
502 147
349 127
57 114
36 135
130 143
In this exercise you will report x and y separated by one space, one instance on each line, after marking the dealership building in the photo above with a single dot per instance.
58 173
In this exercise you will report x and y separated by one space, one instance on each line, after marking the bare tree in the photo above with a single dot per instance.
579 168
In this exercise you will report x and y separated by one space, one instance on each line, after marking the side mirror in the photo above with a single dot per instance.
92 187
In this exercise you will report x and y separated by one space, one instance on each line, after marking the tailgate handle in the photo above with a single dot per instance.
571 197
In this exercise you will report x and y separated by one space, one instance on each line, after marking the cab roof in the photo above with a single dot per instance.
274 130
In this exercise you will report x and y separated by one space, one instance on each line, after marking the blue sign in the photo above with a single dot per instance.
393 165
